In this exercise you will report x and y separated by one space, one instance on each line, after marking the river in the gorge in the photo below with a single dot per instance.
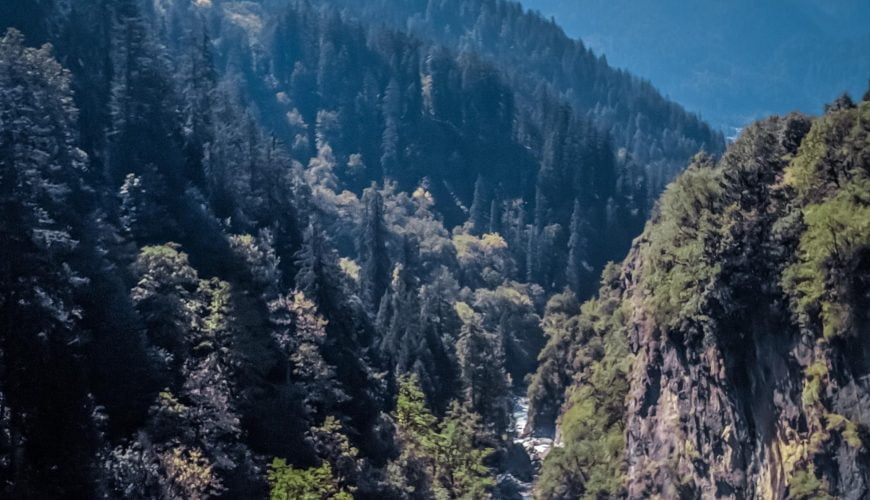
536 448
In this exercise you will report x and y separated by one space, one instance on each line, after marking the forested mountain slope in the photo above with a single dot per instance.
539 58
272 248
374 105
256 248
727 356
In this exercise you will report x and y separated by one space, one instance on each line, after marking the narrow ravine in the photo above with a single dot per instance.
535 448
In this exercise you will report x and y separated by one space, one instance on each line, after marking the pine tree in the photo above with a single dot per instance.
348 333
318 272
316 483
495 216
144 123
375 275
162 296
390 141
478 216
415 422
403 329
331 444
444 460
198 89
533 256
194 426
143 216
300 332
46 411
413 471
462 470
580 272
436 364
481 361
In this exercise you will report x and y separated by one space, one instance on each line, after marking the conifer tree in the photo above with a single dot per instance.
444 460
390 140
194 425
412 472
403 329
436 364
479 213
481 361
199 84
144 124
579 272
318 272
462 470
495 216
300 332
143 216
46 414
375 275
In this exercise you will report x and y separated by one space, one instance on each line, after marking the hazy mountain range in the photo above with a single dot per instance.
732 61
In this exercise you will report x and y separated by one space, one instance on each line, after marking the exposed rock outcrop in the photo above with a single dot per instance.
745 306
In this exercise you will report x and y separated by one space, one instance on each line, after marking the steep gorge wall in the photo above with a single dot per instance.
745 309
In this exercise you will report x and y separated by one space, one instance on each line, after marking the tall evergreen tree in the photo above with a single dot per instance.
390 141
375 275
318 273
436 364
143 108
300 332
46 413
580 271
403 328
481 361
479 213
143 213
198 89
495 216
347 331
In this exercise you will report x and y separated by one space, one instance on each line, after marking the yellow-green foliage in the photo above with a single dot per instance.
464 311
555 365
847 429
836 230
677 267
592 426
803 172
219 310
830 153
315 483
837 182
164 266
815 373
416 424
460 465
169 402
190 473
468 246
350 268
452 460
483 258
805 485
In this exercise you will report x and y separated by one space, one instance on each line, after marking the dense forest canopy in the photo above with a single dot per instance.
538 59
320 250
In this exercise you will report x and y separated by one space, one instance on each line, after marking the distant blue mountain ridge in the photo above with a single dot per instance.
731 61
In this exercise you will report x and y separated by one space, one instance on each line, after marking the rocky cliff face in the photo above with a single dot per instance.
745 306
